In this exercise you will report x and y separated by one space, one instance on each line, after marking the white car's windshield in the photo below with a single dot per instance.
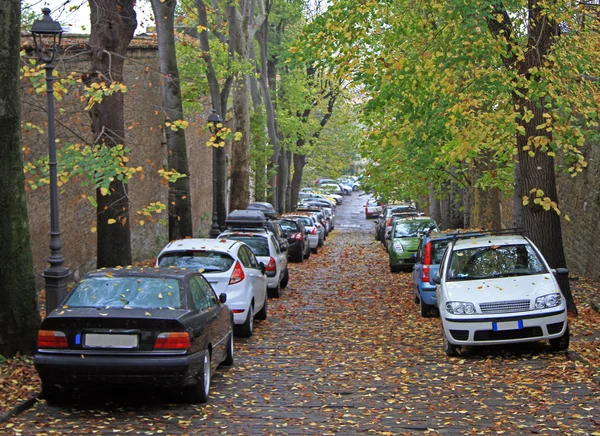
494 261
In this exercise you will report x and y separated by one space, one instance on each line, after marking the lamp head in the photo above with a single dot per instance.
47 35
214 120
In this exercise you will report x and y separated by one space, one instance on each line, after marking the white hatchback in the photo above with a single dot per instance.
265 247
499 289
231 268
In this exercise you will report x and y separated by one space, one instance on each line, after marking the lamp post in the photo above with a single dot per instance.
47 35
214 121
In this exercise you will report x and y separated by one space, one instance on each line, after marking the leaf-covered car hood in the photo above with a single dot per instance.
501 289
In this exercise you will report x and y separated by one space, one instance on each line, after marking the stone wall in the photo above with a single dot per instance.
144 135
580 200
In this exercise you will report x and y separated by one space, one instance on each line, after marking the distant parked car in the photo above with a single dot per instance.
231 268
499 289
266 249
372 208
297 238
311 229
266 208
403 241
121 326
382 219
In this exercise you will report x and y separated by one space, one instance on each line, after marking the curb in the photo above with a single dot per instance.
19 408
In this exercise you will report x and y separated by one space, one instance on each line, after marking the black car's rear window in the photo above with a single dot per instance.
289 226
210 261
131 292
258 245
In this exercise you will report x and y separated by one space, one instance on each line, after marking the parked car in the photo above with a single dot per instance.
231 268
120 326
403 241
272 225
266 208
372 208
395 217
310 196
427 262
297 238
386 211
332 188
266 249
311 229
499 289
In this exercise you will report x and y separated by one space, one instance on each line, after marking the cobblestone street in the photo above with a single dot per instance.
345 351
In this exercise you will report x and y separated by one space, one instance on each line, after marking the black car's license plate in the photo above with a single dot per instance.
102 340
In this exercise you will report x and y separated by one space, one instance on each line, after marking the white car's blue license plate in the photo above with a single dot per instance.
507 325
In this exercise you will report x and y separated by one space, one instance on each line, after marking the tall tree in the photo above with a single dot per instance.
180 209
113 23
219 89
19 315
245 18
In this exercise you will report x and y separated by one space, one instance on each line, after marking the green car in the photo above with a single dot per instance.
403 241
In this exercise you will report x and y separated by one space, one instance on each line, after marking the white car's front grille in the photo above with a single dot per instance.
505 306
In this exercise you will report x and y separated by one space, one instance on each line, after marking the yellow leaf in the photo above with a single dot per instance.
112 221
93 230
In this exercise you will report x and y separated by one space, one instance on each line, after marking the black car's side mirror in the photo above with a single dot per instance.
263 268
563 272
388 236
222 298
437 279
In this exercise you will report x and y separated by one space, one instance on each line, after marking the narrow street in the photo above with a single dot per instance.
344 351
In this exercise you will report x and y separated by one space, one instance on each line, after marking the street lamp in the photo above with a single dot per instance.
47 35
214 122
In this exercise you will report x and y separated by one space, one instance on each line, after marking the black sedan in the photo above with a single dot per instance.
155 326
297 237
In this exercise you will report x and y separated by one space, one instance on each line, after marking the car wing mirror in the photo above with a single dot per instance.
388 236
437 279
562 272
222 298
263 268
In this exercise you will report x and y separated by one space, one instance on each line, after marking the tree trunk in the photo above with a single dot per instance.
219 98
446 206
299 162
434 205
113 24
19 315
180 207
272 169
268 84
240 159
283 173
243 26
518 200
457 206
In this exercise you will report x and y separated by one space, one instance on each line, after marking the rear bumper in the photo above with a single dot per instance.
156 370
427 294
295 250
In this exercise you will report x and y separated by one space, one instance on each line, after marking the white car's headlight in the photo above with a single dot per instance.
460 308
546 301
398 247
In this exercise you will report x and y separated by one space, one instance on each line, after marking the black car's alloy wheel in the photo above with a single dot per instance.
199 392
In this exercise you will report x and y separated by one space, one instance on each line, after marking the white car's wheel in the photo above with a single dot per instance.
562 343
451 350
